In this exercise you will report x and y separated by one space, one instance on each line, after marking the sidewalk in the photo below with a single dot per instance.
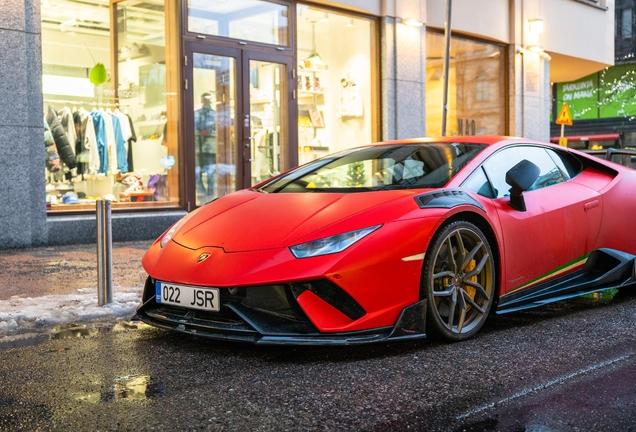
44 287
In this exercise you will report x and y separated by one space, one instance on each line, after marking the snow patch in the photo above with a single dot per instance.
19 313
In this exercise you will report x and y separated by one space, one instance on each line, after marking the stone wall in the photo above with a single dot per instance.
22 182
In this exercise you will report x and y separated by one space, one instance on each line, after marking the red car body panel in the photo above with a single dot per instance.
267 221
248 235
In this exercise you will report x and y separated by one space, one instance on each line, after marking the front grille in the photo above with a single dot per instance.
276 300
265 310
332 294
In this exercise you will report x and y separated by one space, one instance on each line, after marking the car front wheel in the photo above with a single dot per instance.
458 281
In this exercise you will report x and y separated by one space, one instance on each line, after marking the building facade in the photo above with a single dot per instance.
603 104
164 105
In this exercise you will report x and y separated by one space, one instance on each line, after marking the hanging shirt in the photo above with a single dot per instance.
125 125
101 139
120 144
110 143
133 137
91 143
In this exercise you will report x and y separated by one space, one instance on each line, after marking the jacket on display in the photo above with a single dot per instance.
52 158
62 143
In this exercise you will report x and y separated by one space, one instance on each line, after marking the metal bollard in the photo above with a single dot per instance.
104 253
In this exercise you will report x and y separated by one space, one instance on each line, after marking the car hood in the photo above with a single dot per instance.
250 220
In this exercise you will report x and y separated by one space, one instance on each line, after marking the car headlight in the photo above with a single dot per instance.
169 234
331 245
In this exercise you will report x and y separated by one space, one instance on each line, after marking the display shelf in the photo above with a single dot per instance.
260 101
301 70
309 92
149 122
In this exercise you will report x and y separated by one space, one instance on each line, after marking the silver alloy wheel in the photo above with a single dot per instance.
460 281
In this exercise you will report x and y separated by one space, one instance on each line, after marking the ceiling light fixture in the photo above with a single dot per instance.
535 25
413 22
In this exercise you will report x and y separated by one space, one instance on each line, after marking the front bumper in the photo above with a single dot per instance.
270 315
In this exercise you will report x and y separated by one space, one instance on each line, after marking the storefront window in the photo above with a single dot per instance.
106 105
335 86
251 20
476 87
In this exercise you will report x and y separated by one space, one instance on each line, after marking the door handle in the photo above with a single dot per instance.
589 206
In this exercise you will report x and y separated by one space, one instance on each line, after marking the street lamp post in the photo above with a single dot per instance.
447 37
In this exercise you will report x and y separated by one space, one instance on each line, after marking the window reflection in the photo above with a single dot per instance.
476 87
499 164
214 135
252 20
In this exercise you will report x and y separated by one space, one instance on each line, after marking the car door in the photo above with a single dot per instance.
555 232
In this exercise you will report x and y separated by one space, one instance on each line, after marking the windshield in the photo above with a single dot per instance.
382 167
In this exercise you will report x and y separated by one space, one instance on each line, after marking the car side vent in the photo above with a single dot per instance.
332 294
446 198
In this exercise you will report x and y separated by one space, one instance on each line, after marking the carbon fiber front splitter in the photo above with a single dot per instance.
239 324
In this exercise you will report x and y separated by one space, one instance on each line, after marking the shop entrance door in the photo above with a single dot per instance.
236 119
269 117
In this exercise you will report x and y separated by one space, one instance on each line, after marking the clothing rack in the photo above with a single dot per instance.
98 104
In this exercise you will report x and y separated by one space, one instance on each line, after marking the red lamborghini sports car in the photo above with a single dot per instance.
396 240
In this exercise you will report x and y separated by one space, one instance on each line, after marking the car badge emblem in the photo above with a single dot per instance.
203 257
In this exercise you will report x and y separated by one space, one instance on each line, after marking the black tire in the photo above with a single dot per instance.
460 287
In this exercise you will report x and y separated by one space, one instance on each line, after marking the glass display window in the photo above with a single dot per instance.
250 20
109 114
336 87
476 87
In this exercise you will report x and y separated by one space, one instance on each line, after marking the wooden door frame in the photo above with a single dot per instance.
242 58
187 113
290 156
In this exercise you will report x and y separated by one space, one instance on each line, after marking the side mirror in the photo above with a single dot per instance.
521 177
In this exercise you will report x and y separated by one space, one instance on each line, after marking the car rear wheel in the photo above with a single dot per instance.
458 281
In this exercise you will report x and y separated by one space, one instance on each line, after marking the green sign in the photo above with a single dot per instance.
610 93
581 97
617 92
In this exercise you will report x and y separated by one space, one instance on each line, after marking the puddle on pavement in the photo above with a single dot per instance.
31 337
73 330
76 330
131 387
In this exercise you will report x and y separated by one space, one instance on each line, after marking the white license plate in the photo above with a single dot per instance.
191 297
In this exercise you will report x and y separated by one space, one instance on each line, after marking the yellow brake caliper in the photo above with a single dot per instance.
470 290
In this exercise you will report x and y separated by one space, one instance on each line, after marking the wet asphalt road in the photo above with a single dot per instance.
564 367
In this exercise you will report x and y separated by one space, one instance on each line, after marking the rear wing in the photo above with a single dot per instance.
625 157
